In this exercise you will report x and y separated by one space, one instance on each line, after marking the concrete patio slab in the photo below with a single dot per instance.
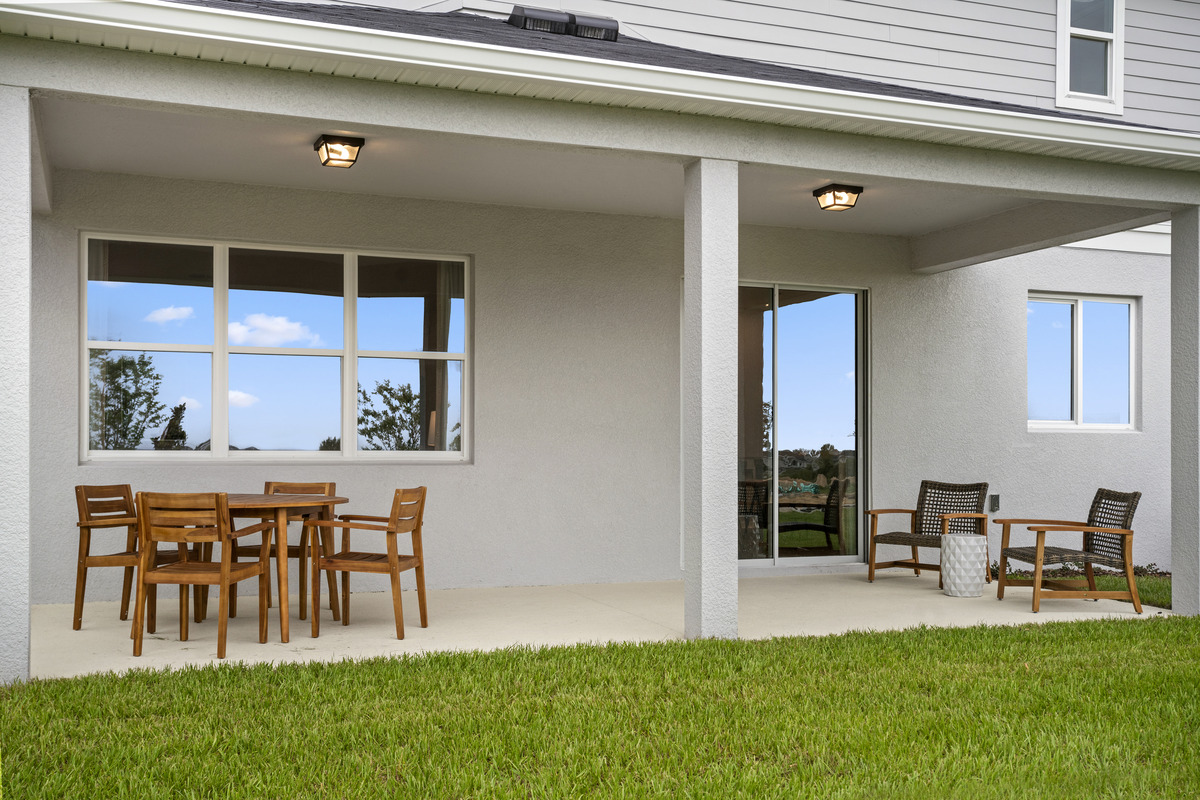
535 616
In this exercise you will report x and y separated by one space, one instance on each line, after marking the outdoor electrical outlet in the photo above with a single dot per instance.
993 503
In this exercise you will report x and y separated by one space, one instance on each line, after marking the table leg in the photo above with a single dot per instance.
281 560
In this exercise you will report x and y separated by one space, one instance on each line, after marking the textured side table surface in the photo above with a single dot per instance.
964 561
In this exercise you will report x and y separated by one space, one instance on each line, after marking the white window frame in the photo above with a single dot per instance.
1114 101
1076 422
221 350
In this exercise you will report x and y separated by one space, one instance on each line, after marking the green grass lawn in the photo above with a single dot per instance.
1099 709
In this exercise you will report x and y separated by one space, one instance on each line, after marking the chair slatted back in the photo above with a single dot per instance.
1110 510
408 507
183 517
285 487
937 498
101 502
833 503
752 500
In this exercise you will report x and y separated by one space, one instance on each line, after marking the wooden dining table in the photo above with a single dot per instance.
281 505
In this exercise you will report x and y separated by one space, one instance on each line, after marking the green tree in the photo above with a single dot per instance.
173 436
331 443
389 418
123 400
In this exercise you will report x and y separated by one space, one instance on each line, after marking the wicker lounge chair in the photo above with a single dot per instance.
941 508
1107 540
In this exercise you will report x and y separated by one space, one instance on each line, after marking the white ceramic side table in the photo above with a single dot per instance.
964 564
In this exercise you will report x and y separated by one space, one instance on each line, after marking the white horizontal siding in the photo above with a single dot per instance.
1000 50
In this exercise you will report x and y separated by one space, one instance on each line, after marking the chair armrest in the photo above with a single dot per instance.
344 525
262 526
1080 529
1037 522
877 511
361 518
108 522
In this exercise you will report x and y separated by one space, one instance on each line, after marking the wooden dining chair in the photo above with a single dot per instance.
185 520
408 509
102 508
298 551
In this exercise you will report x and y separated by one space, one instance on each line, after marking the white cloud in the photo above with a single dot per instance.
1028 311
190 402
170 314
1057 325
263 330
241 399
850 375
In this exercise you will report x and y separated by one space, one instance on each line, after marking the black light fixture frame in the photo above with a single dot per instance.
349 141
839 187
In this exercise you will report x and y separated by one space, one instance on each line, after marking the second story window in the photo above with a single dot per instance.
1091 55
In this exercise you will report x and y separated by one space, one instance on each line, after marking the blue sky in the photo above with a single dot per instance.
284 402
816 373
1105 361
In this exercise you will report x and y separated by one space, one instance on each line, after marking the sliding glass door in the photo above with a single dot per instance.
799 356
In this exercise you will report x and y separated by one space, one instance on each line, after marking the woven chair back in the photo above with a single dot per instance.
833 503
752 499
1110 510
937 498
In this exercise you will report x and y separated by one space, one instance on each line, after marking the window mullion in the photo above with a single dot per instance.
219 443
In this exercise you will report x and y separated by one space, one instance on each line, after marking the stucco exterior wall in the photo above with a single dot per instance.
947 385
575 474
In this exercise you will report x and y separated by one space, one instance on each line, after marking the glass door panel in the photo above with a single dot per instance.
817 379
798 403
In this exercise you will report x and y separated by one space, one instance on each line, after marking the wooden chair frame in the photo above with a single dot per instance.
1040 555
408 510
103 508
921 517
190 520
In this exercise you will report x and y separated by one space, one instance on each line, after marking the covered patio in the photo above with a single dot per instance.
607 213
540 616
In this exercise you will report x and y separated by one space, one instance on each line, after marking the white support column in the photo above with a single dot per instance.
1185 411
16 257
710 298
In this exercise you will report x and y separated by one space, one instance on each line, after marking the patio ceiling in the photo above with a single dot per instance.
82 134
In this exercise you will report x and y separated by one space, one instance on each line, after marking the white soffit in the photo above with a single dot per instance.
197 32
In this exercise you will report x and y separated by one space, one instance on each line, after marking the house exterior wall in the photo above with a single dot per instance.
1004 52
575 473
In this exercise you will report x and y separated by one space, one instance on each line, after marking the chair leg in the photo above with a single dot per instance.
264 583
331 576
916 558
85 543
345 598
1133 587
1090 572
1000 577
1037 581
421 595
222 618
139 615
316 585
396 607
131 543
987 559
303 579
871 563
152 610
183 612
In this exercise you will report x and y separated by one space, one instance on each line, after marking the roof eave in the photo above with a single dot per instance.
206 33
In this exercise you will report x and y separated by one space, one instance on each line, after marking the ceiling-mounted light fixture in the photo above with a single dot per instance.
337 151
837 196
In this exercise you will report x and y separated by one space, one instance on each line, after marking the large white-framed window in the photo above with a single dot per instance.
198 349
1091 55
1081 362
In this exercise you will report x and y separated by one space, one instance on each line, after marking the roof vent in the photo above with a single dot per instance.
586 27
547 21
539 19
